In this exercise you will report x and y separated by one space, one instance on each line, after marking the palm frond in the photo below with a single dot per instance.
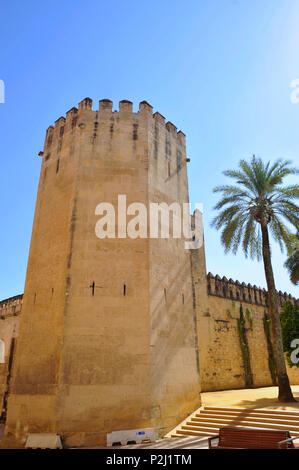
258 197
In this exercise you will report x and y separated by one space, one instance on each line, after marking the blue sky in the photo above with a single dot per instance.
220 70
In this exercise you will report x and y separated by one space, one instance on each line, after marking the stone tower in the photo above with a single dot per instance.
107 336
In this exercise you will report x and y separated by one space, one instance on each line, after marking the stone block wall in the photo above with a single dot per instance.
10 310
221 361
111 340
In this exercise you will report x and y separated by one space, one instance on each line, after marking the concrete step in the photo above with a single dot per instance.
180 432
209 419
228 419
216 429
245 424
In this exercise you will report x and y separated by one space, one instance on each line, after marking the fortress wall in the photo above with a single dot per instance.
9 323
11 307
221 362
221 365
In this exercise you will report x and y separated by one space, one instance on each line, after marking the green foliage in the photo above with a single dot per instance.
241 322
258 197
249 317
289 319
244 348
292 263
229 314
271 358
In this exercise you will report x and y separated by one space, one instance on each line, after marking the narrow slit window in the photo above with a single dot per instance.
92 287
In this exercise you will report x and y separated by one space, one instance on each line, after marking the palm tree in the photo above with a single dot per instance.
292 263
252 209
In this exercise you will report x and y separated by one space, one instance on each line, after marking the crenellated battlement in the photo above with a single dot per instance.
11 307
234 290
78 117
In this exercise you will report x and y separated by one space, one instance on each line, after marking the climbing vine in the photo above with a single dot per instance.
271 358
249 317
244 348
242 330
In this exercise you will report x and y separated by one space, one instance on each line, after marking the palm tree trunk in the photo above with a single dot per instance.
284 389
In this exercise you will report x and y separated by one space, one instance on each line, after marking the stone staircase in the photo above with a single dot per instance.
207 420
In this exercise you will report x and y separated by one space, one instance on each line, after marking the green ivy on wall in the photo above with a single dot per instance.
241 321
249 317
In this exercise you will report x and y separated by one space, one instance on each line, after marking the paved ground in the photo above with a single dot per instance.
250 398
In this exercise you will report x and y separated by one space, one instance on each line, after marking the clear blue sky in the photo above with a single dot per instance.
220 70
